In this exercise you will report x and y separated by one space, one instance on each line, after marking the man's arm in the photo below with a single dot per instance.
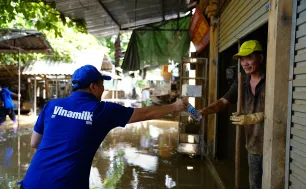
35 139
38 129
215 107
229 98
11 93
154 112
14 94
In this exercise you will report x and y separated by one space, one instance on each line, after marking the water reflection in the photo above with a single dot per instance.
142 155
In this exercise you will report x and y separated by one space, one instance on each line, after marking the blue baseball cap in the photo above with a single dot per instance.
85 75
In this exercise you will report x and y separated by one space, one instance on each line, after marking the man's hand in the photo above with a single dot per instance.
180 104
248 119
154 112
213 108
16 95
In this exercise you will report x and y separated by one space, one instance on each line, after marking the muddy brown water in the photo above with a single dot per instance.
140 156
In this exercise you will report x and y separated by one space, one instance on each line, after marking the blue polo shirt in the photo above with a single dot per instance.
6 97
72 129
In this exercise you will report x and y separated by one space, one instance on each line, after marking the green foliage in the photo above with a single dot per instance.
115 172
38 14
66 37
109 43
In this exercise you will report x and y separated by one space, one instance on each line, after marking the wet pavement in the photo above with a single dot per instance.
142 155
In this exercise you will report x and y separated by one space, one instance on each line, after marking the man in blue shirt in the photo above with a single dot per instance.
69 131
8 105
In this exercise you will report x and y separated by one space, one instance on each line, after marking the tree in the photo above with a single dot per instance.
39 14
109 42
65 36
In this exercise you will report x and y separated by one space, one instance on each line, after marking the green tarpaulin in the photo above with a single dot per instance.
158 44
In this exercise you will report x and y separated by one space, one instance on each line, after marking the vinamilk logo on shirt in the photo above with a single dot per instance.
84 115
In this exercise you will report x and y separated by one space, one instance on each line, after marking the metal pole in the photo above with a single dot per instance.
216 91
238 128
35 96
18 103
116 89
113 90
56 88
19 162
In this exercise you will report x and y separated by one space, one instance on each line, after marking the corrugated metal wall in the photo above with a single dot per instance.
296 135
239 18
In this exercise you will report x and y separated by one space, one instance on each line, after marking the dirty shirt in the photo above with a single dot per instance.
251 104
72 130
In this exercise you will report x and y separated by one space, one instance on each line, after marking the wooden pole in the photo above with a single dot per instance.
238 128
56 88
19 84
276 98
35 96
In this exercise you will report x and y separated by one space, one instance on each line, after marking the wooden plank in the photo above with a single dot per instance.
212 85
278 48
301 39
299 107
299 133
297 77
298 158
233 39
299 82
297 182
298 145
301 127
300 69
300 33
298 139
229 10
301 8
299 171
248 13
302 51
233 19
300 102
302 14
300 114
300 88
301 20
259 18
300 64
254 11
299 152
231 22
301 27
300 58
299 95
299 120
300 45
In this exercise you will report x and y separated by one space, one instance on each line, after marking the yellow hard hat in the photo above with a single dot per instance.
247 48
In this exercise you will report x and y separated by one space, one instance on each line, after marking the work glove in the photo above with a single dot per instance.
248 119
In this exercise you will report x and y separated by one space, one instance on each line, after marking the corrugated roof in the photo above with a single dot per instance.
107 17
48 67
29 41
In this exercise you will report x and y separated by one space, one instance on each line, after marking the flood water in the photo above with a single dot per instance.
140 156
